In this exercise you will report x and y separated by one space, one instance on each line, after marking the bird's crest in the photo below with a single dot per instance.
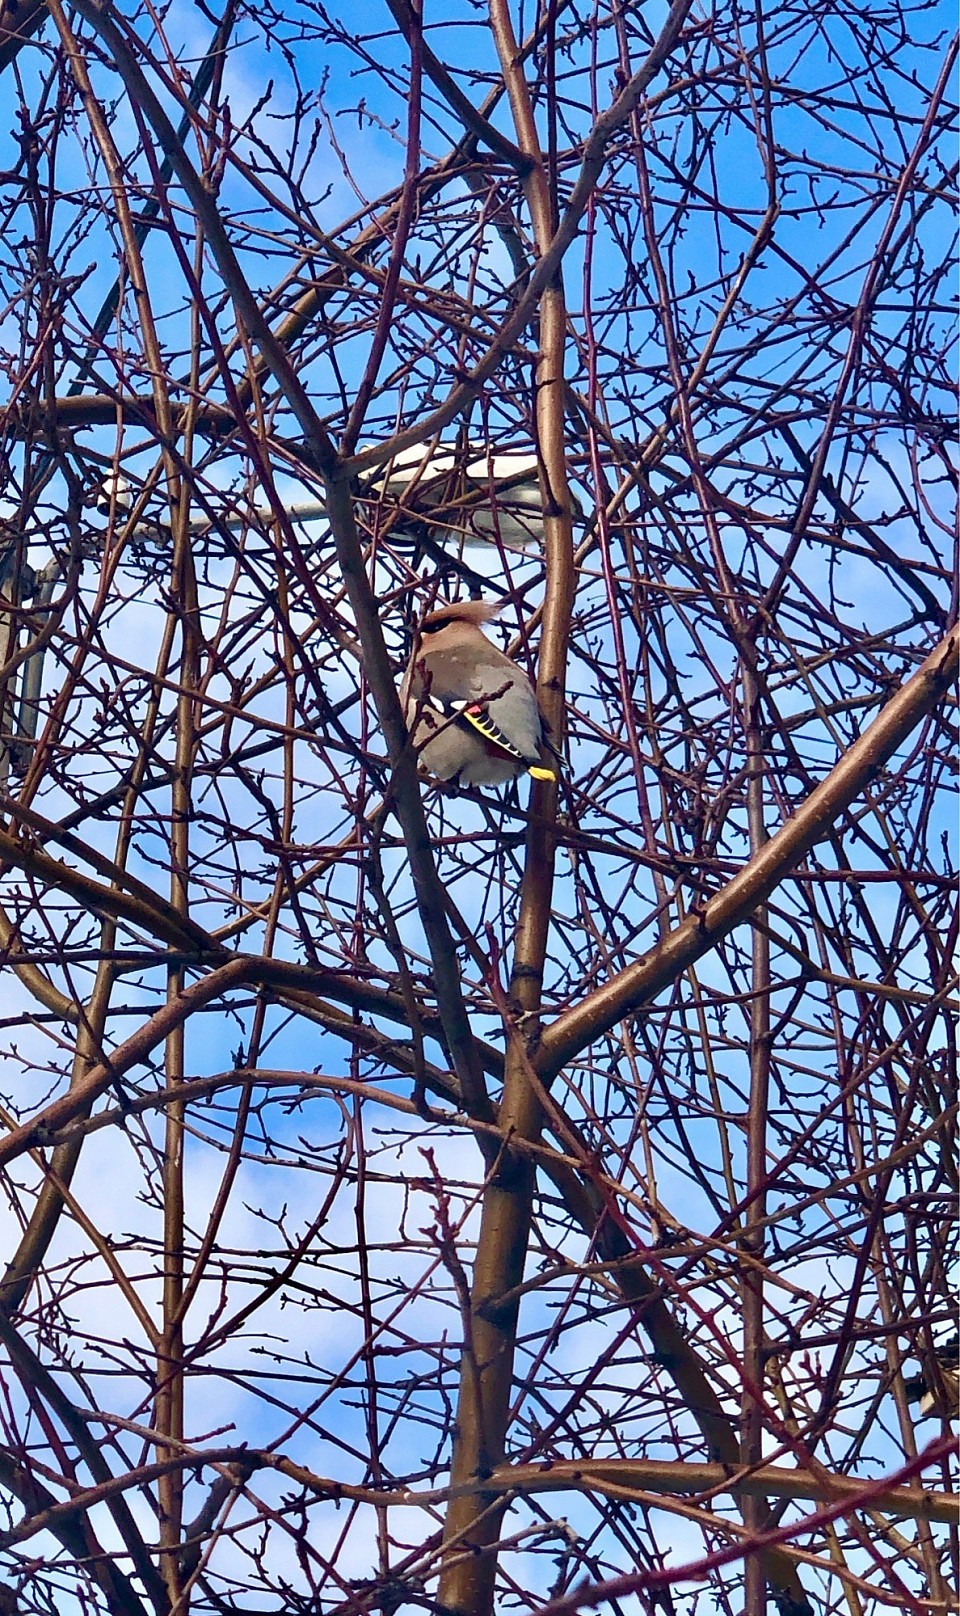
460 611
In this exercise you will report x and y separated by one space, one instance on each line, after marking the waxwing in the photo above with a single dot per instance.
473 713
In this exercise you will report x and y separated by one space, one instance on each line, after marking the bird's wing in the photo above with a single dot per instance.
495 687
478 716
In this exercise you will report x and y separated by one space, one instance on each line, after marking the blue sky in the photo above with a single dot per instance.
834 173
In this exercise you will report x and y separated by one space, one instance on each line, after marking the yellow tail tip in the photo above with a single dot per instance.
541 774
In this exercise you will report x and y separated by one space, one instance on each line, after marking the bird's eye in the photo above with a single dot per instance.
435 624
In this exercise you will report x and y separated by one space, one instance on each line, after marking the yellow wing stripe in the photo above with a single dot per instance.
479 719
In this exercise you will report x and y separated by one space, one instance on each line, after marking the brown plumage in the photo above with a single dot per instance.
473 712
461 611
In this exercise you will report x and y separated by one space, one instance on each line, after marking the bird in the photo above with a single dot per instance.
472 713
478 496
938 1390
114 490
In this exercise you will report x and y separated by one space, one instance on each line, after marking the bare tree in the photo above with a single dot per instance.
384 1160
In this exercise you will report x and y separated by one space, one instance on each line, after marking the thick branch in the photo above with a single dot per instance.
704 928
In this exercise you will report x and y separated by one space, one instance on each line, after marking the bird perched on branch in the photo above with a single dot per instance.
937 1390
472 712
467 493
